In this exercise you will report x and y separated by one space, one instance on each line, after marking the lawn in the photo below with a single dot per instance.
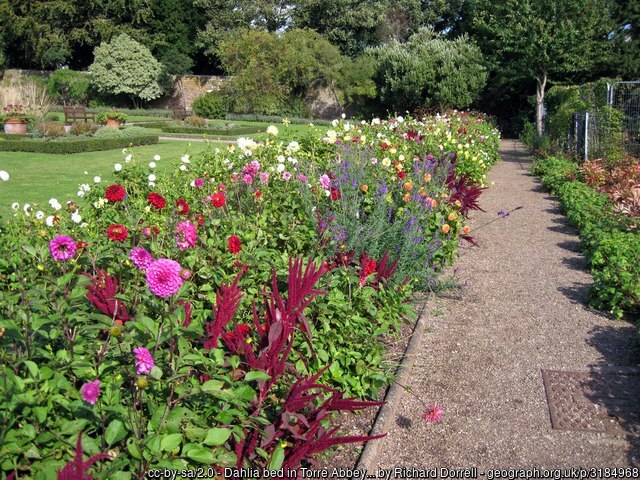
36 177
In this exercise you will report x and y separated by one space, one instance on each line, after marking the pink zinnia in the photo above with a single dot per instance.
199 182
264 178
62 248
144 360
325 181
90 391
286 176
186 235
163 277
248 179
433 414
141 258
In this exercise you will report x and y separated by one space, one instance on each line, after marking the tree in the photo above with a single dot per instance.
428 71
627 38
124 66
542 39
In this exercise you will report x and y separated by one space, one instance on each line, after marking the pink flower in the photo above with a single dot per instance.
62 248
286 176
141 258
264 178
433 414
325 181
248 179
90 391
199 182
163 277
186 235
144 360
234 177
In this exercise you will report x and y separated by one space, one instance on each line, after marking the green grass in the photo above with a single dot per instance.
36 177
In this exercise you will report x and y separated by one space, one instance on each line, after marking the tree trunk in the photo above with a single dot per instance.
541 80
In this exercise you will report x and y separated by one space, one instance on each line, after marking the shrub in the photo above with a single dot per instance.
48 130
128 132
124 66
212 105
76 145
69 86
84 128
195 121
275 119
584 206
102 117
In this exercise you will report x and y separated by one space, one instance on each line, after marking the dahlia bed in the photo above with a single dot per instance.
219 316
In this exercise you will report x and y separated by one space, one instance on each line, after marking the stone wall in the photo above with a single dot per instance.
187 89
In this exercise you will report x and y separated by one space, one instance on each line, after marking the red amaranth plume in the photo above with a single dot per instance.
466 190
227 302
101 293
385 270
75 469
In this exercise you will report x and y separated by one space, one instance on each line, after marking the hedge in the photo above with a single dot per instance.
274 119
221 130
76 145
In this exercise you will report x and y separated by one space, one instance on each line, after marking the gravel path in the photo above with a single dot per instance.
522 310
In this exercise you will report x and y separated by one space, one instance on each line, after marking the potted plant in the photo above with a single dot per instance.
112 119
15 119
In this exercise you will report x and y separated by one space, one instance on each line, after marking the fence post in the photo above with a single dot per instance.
586 136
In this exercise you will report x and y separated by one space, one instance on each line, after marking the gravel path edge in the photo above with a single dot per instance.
387 413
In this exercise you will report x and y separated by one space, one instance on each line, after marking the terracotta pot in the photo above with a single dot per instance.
112 123
15 126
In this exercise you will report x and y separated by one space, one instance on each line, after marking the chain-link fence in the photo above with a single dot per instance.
611 130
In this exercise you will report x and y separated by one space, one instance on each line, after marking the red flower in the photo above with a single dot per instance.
233 244
117 232
402 175
218 200
80 244
183 206
258 194
115 193
199 219
157 200
335 194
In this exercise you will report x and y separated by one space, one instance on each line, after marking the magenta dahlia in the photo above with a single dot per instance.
90 391
163 277
186 235
144 360
62 248
141 258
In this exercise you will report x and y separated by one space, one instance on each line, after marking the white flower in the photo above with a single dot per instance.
347 127
49 220
386 162
281 167
124 151
152 177
97 179
128 158
86 173
76 217
293 147
85 187
400 119
84 225
15 205
331 136
39 214
152 164
185 158
80 193
343 116
280 158
152 184
246 144
272 130
292 160
4 175
100 203
27 209
55 204
334 122
156 157
183 168
375 121
147 209
117 167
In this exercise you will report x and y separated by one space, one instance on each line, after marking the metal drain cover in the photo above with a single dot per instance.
597 401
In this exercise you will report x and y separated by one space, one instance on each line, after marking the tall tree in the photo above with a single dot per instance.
542 40
627 38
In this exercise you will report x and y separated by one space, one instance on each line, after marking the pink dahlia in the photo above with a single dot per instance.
198 182
90 391
186 235
62 248
433 414
144 360
141 258
163 277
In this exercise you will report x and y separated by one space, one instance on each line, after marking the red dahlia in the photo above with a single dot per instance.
157 200
115 193
117 232
233 244
182 206
218 200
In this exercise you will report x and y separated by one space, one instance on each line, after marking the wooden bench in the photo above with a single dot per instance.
78 114
180 113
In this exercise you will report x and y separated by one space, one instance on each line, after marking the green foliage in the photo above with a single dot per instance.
69 86
275 119
554 172
585 207
66 146
428 72
102 117
124 66
227 129
128 132
212 105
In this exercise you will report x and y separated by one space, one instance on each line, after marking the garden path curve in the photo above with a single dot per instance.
521 311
